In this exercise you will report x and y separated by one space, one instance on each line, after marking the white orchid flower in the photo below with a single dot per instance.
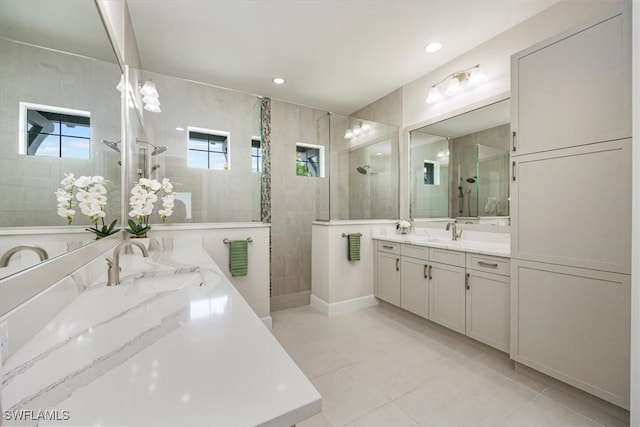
97 179
155 185
83 182
167 187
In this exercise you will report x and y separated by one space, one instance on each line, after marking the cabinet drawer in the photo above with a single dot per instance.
445 256
390 247
490 264
420 252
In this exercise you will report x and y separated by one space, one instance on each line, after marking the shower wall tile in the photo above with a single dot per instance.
294 202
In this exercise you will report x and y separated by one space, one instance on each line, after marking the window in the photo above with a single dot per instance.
54 132
431 172
309 160
256 155
208 149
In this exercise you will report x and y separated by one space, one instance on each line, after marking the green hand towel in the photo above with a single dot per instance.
353 247
238 257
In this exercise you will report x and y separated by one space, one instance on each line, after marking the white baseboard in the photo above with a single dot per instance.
342 306
267 322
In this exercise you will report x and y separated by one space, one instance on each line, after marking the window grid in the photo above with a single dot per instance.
67 128
212 142
256 155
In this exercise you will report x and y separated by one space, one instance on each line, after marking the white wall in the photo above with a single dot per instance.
334 278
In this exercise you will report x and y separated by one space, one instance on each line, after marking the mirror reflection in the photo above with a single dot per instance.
206 141
60 115
459 167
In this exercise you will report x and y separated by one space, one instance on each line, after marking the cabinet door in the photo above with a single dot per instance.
488 308
573 324
415 286
573 207
447 296
574 89
388 277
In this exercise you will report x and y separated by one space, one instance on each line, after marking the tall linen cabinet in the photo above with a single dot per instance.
571 207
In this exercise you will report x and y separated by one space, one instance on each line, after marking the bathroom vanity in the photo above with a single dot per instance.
462 285
173 344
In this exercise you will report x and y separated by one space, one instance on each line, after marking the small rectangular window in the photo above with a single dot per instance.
431 172
309 160
208 149
256 155
54 132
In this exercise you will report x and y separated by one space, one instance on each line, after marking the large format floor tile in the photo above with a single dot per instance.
382 366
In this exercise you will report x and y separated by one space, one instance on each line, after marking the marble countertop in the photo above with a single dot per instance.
179 348
479 243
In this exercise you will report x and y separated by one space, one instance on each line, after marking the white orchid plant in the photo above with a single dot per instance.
143 195
90 195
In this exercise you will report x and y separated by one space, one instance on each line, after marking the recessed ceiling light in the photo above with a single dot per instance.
433 47
379 154
278 80
180 129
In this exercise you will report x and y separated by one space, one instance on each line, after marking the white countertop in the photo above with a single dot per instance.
192 354
495 245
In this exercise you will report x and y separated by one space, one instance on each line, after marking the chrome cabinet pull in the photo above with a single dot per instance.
513 171
426 275
397 264
430 268
466 281
387 246
513 141
488 264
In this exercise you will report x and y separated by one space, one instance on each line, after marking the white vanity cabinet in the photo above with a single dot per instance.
487 300
415 286
446 296
465 292
387 272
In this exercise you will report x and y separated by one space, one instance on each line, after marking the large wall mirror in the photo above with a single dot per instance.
459 167
60 113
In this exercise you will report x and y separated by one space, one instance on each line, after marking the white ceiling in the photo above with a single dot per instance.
338 55
68 26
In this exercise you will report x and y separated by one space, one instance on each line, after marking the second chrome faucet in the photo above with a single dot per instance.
113 265
455 233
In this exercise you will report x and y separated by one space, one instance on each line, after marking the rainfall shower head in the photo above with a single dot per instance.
157 150
363 169
114 145
472 180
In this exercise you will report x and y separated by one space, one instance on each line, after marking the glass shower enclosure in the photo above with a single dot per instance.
362 163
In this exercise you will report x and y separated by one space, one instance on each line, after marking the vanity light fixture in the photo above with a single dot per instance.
150 97
456 82
357 130
179 129
278 80
433 47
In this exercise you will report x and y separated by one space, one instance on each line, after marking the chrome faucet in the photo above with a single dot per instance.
455 233
113 265
4 261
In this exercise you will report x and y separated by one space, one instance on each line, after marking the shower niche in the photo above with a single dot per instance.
361 158
459 167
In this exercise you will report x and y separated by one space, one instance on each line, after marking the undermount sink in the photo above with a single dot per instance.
155 284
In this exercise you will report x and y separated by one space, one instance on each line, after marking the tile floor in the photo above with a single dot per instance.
382 366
